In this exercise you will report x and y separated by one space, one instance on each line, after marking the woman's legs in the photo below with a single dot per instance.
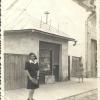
82 78
31 92
79 79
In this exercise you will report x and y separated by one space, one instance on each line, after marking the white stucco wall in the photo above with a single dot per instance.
21 44
91 35
64 61
92 26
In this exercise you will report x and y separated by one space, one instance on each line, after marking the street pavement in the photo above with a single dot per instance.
90 95
58 91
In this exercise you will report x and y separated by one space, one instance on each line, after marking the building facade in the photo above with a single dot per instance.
51 50
91 51
90 54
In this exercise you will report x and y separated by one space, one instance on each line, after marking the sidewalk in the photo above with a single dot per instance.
54 91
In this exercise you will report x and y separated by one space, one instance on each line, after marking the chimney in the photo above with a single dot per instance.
46 13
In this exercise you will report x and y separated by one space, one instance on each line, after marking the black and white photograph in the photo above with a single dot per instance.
51 50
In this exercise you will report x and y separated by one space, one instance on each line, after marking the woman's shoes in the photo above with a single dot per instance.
29 99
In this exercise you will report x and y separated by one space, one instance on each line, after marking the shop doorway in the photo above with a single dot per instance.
94 58
48 60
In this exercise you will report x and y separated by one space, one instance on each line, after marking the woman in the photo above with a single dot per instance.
32 71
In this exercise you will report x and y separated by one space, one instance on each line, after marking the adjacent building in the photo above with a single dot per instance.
90 38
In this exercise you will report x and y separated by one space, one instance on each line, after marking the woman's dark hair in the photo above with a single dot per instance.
32 54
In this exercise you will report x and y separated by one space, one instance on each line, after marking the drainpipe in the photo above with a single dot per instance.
74 43
86 51
86 25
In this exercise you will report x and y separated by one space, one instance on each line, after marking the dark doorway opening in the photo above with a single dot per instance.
94 58
48 60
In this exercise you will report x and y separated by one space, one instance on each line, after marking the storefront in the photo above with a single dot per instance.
51 50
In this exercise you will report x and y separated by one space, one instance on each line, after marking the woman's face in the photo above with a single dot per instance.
32 57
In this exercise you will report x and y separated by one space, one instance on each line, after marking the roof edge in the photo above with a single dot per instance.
40 31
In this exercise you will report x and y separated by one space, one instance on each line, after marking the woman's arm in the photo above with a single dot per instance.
38 74
28 74
32 79
26 69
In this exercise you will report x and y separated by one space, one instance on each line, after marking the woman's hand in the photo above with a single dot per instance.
37 77
34 80
35 61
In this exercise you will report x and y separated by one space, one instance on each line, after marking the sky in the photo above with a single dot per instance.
65 14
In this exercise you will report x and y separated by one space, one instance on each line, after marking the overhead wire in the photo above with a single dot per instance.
30 17
7 10
12 4
21 12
